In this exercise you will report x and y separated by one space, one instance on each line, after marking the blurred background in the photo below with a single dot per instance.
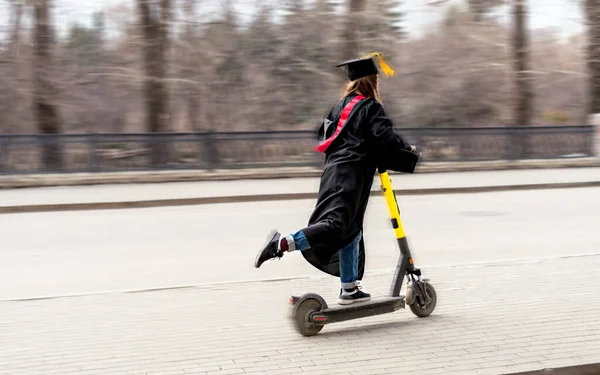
113 85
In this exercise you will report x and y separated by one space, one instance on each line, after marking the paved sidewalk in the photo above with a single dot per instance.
493 319
159 176
281 187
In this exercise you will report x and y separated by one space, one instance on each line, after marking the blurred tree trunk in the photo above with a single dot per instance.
478 8
475 10
45 109
190 66
155 22
9 121
354 21
592 11
523 107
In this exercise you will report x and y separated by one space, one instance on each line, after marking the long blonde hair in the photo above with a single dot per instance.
367 86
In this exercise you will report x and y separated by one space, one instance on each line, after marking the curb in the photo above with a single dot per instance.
100 178
589 369
277 197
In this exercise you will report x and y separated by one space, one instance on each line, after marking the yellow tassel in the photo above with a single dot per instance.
385 67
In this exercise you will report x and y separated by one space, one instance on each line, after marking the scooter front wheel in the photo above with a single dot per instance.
423 307
300 317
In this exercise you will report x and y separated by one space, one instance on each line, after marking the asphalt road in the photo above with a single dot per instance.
64 253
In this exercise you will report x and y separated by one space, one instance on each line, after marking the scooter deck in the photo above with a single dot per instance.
376 306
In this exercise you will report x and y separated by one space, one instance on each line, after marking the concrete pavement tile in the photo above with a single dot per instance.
104 332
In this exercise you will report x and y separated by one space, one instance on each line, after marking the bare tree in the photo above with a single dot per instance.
155 20
479 8
44 98
524 92
592 12
190 57
11 98
279 74
353 25
523 106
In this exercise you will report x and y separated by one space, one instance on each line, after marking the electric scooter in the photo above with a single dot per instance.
310 313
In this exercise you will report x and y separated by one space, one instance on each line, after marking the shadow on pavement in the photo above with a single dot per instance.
367 329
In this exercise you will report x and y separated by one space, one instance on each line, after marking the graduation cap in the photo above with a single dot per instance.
365 66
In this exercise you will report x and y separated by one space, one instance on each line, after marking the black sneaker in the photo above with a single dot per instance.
353 295
270 250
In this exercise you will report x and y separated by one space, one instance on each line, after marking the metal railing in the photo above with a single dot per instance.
24 154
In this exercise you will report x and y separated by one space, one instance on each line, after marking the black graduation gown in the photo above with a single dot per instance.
352 155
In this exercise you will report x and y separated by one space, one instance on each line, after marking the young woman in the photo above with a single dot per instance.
356 137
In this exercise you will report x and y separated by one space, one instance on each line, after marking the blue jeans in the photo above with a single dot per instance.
348 257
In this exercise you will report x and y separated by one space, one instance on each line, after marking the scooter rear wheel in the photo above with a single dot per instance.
301 317
422 308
